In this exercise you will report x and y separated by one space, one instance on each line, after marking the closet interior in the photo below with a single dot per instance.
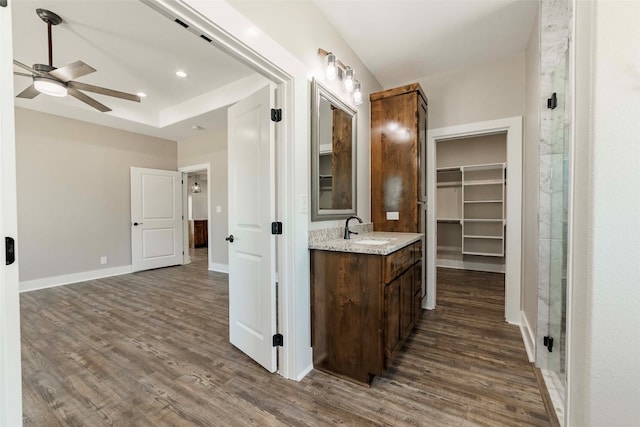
471 202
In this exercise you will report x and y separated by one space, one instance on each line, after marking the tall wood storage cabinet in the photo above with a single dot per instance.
398 159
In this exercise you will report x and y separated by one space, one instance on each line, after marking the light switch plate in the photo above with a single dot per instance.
393 216
218 209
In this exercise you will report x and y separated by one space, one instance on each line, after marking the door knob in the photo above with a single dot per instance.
229 239
137 223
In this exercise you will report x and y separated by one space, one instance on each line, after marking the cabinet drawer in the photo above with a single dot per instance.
396 262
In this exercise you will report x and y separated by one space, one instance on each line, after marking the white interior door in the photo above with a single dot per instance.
252 286
156 218
10 373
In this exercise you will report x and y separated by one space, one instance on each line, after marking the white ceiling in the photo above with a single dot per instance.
134 49
401 41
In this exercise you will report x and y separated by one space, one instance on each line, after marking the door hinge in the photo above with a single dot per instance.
276 114
548 342
9 250
278 340
276 227
553 101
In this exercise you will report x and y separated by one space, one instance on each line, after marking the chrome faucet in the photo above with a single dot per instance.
347 232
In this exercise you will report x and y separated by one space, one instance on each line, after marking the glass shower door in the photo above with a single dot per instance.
559 219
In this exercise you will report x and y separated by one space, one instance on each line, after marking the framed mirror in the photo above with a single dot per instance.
333 156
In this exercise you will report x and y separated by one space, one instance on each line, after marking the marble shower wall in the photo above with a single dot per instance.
554 126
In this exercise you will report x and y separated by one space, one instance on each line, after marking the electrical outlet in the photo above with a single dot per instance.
103 260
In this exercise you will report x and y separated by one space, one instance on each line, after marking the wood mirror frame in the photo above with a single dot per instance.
333 156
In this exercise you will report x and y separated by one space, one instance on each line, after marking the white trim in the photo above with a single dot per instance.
67 279
10 370
513 127
470 265
527 337
220 268
229 31
304 372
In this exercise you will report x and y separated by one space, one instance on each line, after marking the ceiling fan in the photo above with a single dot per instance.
59 82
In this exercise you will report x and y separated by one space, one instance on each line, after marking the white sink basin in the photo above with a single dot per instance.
371 242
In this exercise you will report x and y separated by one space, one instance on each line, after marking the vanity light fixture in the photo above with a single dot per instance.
332 69
337 70
357 94
348 79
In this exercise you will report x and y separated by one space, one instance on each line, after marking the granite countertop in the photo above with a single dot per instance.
392 242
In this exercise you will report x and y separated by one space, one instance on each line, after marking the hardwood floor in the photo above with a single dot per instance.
152 349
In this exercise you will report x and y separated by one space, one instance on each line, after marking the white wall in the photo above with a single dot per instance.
199 201
301 28
531 182
74 203
493 90
604 348
211 147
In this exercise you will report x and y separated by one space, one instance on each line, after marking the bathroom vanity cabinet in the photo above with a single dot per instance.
364 306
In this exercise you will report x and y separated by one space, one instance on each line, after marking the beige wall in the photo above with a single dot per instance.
301 28
74 192
493 90
211 147
531 180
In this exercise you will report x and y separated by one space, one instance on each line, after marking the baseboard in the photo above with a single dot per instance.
470 265
220 268
304 373
527 337
66 279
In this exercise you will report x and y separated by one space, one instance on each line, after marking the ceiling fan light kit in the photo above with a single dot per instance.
49 86
59 82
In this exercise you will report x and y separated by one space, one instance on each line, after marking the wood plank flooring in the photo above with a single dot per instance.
152 349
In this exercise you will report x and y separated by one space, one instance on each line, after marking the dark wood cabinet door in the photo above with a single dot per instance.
392 320
406 303
200 233
398 138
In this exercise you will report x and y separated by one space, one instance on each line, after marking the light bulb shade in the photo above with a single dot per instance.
357 94
348 80
196 188
332 69
49 86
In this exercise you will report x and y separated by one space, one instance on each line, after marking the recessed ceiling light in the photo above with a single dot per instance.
181 73
141 94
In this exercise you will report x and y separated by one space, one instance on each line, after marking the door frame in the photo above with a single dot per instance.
10 364
228 30
513 263
185 226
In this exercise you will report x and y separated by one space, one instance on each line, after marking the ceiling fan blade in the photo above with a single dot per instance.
22 74
29 93
87 100
72 71
26 67
105 91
